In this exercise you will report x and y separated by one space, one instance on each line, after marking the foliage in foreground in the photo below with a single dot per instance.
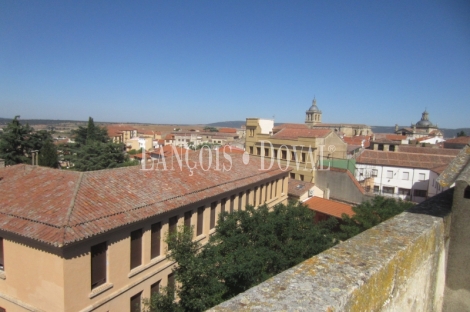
248 247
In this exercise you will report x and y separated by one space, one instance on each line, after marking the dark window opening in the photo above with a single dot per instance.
136 248
155 240
466 194
212 220
187 220
200 220
136 302
98 264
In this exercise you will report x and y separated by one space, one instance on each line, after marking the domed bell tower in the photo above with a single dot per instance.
313 115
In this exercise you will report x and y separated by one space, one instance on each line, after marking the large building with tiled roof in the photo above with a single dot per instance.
410 173
422 128
92 241
292 145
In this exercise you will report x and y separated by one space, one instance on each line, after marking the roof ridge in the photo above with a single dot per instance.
72 204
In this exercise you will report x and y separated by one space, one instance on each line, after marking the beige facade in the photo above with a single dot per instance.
145 142
301 149
39 276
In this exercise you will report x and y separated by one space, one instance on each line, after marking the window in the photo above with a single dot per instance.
292 175
266 152
284 154
403 191
240 204
2 263
200 220
212 220
251 150
389 174
171 282
368 188
388 190
303 157
155 238
293 156
232 203
135 302
466 194
301 177
155 288
98 264
222 205
275 153
247 198
261 195
381 147
376 189
391 148
422 177
375 172
405 176
258 151
266 192
172 224
255 196
136 248
420 193
187 220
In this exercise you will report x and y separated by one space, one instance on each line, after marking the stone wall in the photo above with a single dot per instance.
398 265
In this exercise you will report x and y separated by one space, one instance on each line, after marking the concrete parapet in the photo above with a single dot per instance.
398 265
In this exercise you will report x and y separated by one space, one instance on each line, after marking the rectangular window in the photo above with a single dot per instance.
303 157
200 220
301 177
420 193
98 264
389 174
187 220
266 192
405 176
136 248
222 205
171 281
212 220
251 150
261 195
155 239
284 154
275 153
173 224
292 175
232 203
375 172
376 189
240 199
2 263
135 302
403 191
422 177
258 151
266 152
255 196
155 288
293 156
388 190
247 198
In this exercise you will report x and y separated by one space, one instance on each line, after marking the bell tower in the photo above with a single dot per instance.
313 115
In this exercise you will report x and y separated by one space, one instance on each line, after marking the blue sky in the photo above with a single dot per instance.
372 62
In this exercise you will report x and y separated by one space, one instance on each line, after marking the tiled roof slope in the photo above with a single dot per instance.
60 207
400 159
461 139
428 150
458 169
298 188
295 133
329 207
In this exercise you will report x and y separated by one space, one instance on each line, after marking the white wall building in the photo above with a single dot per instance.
409 176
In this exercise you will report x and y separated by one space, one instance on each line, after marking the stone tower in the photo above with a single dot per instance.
313 115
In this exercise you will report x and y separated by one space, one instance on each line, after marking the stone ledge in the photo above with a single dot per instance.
393 266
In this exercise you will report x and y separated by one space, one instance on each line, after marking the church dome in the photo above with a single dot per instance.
424 122
314 107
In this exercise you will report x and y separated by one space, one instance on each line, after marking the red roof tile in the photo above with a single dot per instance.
59 207
329 207
294 134
460 140
227 130
400 159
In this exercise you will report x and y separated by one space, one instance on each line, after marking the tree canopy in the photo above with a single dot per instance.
18 141
93 149
461 133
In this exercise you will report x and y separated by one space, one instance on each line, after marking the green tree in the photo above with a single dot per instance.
211 129
461 133
370 213
18 141
90 134
48 155
97 156
247 248
162 302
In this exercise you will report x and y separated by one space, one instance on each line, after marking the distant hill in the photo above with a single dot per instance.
448 133
227 124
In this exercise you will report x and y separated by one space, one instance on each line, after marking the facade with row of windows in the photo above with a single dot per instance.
94 241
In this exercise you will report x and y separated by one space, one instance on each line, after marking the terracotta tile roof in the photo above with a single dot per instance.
59 207
428 150
460 140
400 159
290 126
227 130
298 188
294 134
329 207
169 137
357 140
